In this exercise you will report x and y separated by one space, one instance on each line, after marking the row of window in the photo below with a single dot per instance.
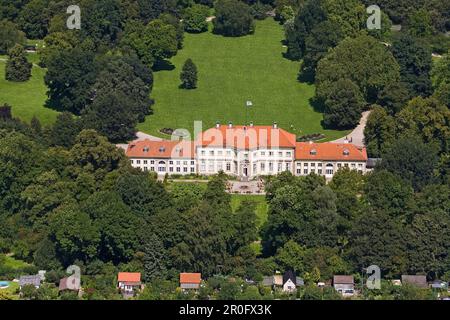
172 169
339 165
255 154
171 162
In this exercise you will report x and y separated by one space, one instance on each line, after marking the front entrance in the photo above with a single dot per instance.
245 172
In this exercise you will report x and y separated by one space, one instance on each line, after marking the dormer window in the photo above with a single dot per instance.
146 149
346 152
162 149
313 152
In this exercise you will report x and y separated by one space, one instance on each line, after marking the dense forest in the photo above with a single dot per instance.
69 196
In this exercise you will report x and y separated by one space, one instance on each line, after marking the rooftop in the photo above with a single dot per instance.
191 278
129 277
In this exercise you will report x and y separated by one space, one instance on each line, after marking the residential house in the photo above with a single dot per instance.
190 281
246 152
289 282
419 281
69 284
34 280
129 282
345 285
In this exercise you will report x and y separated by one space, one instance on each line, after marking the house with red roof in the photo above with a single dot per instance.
190 281
246 152
129 282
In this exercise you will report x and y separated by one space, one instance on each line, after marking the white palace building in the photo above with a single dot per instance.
246 152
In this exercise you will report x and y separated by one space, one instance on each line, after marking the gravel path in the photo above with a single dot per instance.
357 135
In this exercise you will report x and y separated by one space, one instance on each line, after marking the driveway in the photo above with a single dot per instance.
357 135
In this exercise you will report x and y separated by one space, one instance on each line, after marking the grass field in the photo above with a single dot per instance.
232 71
12 263
27 99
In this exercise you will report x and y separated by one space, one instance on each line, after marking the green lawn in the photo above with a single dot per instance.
27 99
232 71
12 263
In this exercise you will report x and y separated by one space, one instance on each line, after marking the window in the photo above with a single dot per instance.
360 165
211 153
299 164
270 153
339 165
220 152
170 162
228 166
280 154
305 171
319 171
288 166
138 161
228 153
306 165
319 165
211 167
203 167
171 169
313 165
280 167
145 161
162 169
353 165
254 168
145 169
288 154
152 162
270 166
185 163
132 161
263 153
203 152
299 171
263 167
313 170
192 170
185 169
152 169
346 165
178 169
192 163
178 163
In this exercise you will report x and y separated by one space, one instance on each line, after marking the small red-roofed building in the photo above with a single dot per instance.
129 282
190 281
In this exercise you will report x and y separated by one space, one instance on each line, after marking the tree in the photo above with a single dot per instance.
70 75
233 18
10 35
394 97
152 43
412 160
343 104
74 234
34 19
323 36
440 75
189 75
194 18
154 259
55 42
378 239
245 226
18 68
311 14
379 132
425 118
143 194
64 130
118 226
419 23
386 192
415 62
364 61
291 256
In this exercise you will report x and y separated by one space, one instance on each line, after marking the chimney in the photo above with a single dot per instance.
251 124
230 125
275 125
217 125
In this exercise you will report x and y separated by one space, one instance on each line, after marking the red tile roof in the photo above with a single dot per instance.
343 280
161 149
329 151
129 277
195 278
246 137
